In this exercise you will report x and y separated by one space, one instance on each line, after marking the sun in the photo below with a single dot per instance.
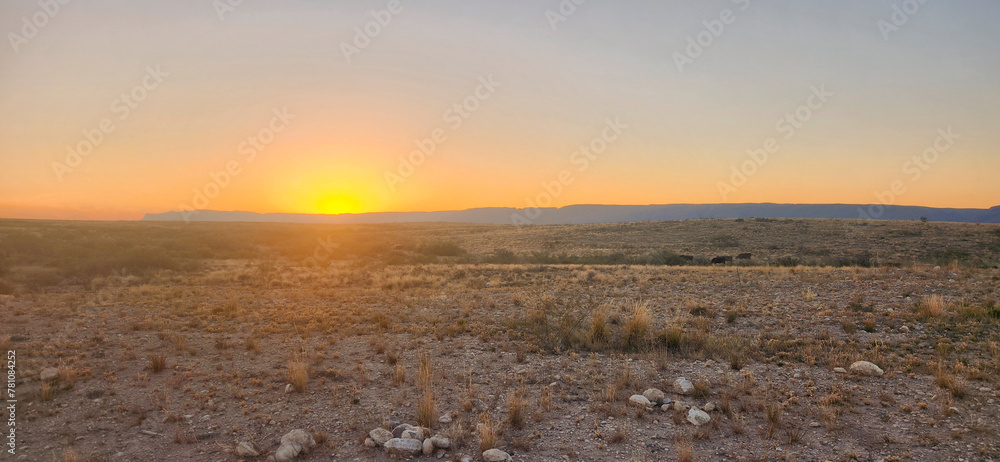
338 203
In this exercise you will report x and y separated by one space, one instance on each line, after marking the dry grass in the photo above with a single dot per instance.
297 374
157 363
637 327
516 405
427 408
489 432
933 306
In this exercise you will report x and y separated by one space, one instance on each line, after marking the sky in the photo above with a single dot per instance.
110 109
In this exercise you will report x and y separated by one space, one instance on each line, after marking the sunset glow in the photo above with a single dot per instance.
115 109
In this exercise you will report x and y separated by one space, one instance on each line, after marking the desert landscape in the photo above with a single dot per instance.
835 340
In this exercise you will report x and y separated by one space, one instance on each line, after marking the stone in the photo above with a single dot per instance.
496 455
287 451
404 446
370 443
289 388
445 419
866 368
679 406
48 374
904 329
380 436
301 437
709 406
639 401
245 449
397 432
840 370
665 408
654 395
698 417
465 458
683 386
428 447
415 433
441 442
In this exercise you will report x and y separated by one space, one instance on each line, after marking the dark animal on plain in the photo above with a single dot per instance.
744 256
688 257
721 260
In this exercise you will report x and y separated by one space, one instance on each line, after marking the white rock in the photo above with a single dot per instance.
698 417
428 447
445 419
683 386
380 436
301 437
245 449
709 406
289 388
404 446
840 370
48 374
639 401
496 455
441 442
654 395
370 443
904 329
415 433
287 451
866 368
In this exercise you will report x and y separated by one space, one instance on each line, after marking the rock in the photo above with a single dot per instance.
683 386
840 370
301 437
245 449
289 388
639 401
665 408
397 432
698 417
287 451
48 374
679 406
904 329
654 395
866 368
404 446
441 442
380 436
428 447
445 419
465 458
814 424
415 433
709 406
496 455
370 443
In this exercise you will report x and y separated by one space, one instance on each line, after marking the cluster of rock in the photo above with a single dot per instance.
407 440
293 443
654 397
862 368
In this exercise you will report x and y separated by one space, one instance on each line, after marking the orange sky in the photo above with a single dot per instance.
205 84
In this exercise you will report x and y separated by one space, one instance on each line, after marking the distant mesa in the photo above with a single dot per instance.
591 214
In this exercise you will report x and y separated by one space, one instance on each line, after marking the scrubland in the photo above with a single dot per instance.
174 341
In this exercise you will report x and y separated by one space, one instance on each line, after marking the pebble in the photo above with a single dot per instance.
496 455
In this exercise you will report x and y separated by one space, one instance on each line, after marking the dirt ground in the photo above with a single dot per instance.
545 355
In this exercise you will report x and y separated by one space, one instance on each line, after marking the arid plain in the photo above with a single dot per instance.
173 341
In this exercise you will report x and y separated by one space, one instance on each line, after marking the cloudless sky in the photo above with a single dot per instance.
352 121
